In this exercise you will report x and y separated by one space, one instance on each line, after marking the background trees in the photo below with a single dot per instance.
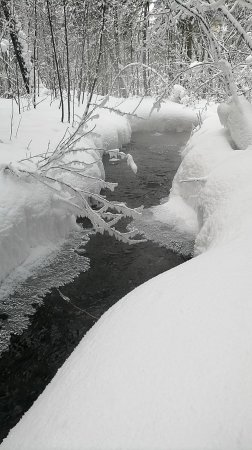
127 47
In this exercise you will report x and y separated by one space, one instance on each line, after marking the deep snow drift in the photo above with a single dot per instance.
169 366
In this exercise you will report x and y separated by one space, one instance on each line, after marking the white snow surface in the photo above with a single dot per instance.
31 215
169 366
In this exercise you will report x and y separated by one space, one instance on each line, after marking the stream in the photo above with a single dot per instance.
59 322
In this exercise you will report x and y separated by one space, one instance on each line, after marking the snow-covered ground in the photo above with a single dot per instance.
169 366
31 215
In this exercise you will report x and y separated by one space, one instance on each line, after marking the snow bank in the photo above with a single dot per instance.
170 365
201 178
31 215
212 189
170 117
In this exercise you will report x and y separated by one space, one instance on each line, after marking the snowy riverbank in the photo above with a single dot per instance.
31 215
169 366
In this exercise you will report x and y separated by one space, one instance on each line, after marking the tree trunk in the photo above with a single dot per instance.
68 66
145 49
98 60
122 90
56 59
5 5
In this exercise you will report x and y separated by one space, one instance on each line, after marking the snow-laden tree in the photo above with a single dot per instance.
126 47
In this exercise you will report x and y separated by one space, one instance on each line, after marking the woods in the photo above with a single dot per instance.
75 46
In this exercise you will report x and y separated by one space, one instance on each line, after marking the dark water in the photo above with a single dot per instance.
157 158
57 326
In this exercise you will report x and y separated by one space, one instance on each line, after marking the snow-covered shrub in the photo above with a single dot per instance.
177 94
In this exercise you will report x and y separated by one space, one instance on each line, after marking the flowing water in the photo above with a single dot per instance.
56 324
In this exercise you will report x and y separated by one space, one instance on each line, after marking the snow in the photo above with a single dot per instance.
195 63
170 365
236 116
248 59
212 187
27 221
207 149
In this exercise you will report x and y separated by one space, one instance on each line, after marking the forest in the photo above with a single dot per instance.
123 48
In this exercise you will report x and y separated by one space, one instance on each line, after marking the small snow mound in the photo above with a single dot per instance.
249 59
236 117
178 93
